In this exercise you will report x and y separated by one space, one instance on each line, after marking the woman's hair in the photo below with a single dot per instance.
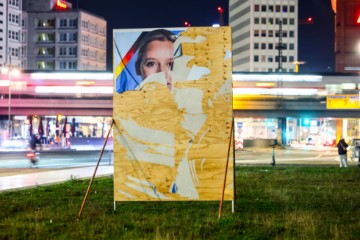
159 35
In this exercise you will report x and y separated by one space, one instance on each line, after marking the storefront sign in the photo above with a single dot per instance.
345 101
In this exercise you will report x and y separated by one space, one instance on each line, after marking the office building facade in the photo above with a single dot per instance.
265 35
50 35
12 41
60 38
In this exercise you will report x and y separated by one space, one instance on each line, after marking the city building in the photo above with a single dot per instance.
50 35
12 42
347 32
60 38
265 35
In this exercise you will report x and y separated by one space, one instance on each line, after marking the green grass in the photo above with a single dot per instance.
282 202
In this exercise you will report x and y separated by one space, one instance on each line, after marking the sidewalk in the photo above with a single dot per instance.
11 179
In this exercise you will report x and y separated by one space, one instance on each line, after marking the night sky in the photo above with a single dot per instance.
316 41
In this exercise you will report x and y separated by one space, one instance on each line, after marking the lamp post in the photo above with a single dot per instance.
297 63
11 73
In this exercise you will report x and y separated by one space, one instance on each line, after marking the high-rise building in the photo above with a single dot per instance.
12 42
347 35
265 35
60 38
50 35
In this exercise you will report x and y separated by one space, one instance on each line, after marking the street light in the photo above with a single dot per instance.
297 63
11 73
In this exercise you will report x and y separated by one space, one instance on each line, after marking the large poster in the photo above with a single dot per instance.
173 114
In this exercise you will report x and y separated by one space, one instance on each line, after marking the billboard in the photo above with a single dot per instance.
173 114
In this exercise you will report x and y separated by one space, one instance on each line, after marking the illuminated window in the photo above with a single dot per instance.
45 65
46 37
46 23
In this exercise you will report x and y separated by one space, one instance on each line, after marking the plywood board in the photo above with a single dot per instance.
171 143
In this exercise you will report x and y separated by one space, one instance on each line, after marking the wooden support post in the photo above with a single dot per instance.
226 168
97 165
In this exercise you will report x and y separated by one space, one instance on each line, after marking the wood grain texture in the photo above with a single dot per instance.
203 153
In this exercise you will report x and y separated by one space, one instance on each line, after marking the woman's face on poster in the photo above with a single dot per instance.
159 57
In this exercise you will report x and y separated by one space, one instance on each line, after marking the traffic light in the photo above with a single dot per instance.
187 24
220 9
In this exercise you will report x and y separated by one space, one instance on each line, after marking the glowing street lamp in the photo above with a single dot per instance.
297 63
11 73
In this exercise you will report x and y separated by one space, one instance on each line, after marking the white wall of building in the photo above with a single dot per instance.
11 33
255 25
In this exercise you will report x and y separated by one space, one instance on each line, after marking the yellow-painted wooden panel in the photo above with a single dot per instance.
173 144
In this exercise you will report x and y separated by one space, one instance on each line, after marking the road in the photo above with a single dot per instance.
56 159
289 155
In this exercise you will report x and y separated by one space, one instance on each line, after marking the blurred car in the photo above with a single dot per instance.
15 143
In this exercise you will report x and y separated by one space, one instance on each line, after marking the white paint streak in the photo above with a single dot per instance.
146 134
227 54
189 99
155 77
225 89
154 146
193 172
184 181
126 194
142 182
198 72
193 123
202 164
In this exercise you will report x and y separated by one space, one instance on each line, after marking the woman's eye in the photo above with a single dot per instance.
151 64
